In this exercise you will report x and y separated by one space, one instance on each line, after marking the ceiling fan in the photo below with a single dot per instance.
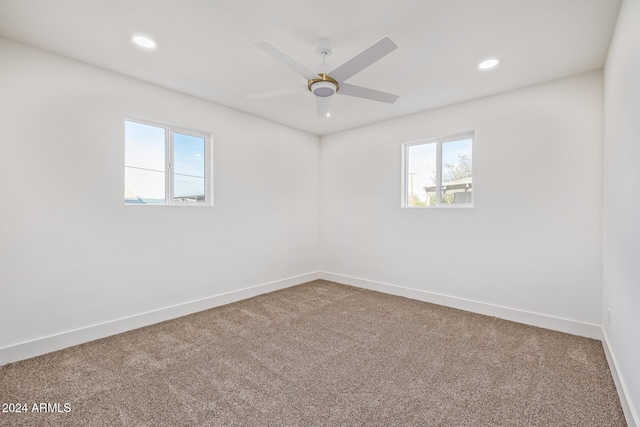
323 84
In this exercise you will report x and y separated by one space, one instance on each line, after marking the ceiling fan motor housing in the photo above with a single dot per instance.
324 87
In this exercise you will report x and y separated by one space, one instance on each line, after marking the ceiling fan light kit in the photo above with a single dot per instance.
324 84
323 87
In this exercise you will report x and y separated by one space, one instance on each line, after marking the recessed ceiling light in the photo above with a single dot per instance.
144 41
328 114
489 63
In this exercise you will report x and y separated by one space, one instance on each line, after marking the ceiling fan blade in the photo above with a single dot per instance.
322 105
287 60
364 59
366 93
277 92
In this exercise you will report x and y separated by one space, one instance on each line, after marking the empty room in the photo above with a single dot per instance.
292 213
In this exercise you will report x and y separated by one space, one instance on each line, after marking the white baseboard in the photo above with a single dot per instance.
630 413
573 327
66 339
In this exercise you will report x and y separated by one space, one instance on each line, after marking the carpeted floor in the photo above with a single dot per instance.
321 354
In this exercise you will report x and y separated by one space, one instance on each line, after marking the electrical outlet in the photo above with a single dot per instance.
608 317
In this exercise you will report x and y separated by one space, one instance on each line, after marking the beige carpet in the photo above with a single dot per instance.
321 354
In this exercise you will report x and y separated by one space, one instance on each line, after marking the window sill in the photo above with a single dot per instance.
457 206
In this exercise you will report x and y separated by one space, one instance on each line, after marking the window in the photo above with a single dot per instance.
438 172
165 165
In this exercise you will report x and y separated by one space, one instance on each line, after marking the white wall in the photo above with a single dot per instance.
72 255
533 240
622 199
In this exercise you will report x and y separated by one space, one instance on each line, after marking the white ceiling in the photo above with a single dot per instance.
206 47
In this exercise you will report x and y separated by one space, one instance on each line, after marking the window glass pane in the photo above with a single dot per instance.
144 163
457 172
188 168
421 175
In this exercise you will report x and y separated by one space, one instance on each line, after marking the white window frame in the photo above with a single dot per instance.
404 202
169 131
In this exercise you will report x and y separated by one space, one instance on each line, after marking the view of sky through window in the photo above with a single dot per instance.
422 164
188 160
147 158
144 163
421 171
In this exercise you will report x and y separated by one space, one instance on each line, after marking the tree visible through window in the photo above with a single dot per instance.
165 165
439 172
